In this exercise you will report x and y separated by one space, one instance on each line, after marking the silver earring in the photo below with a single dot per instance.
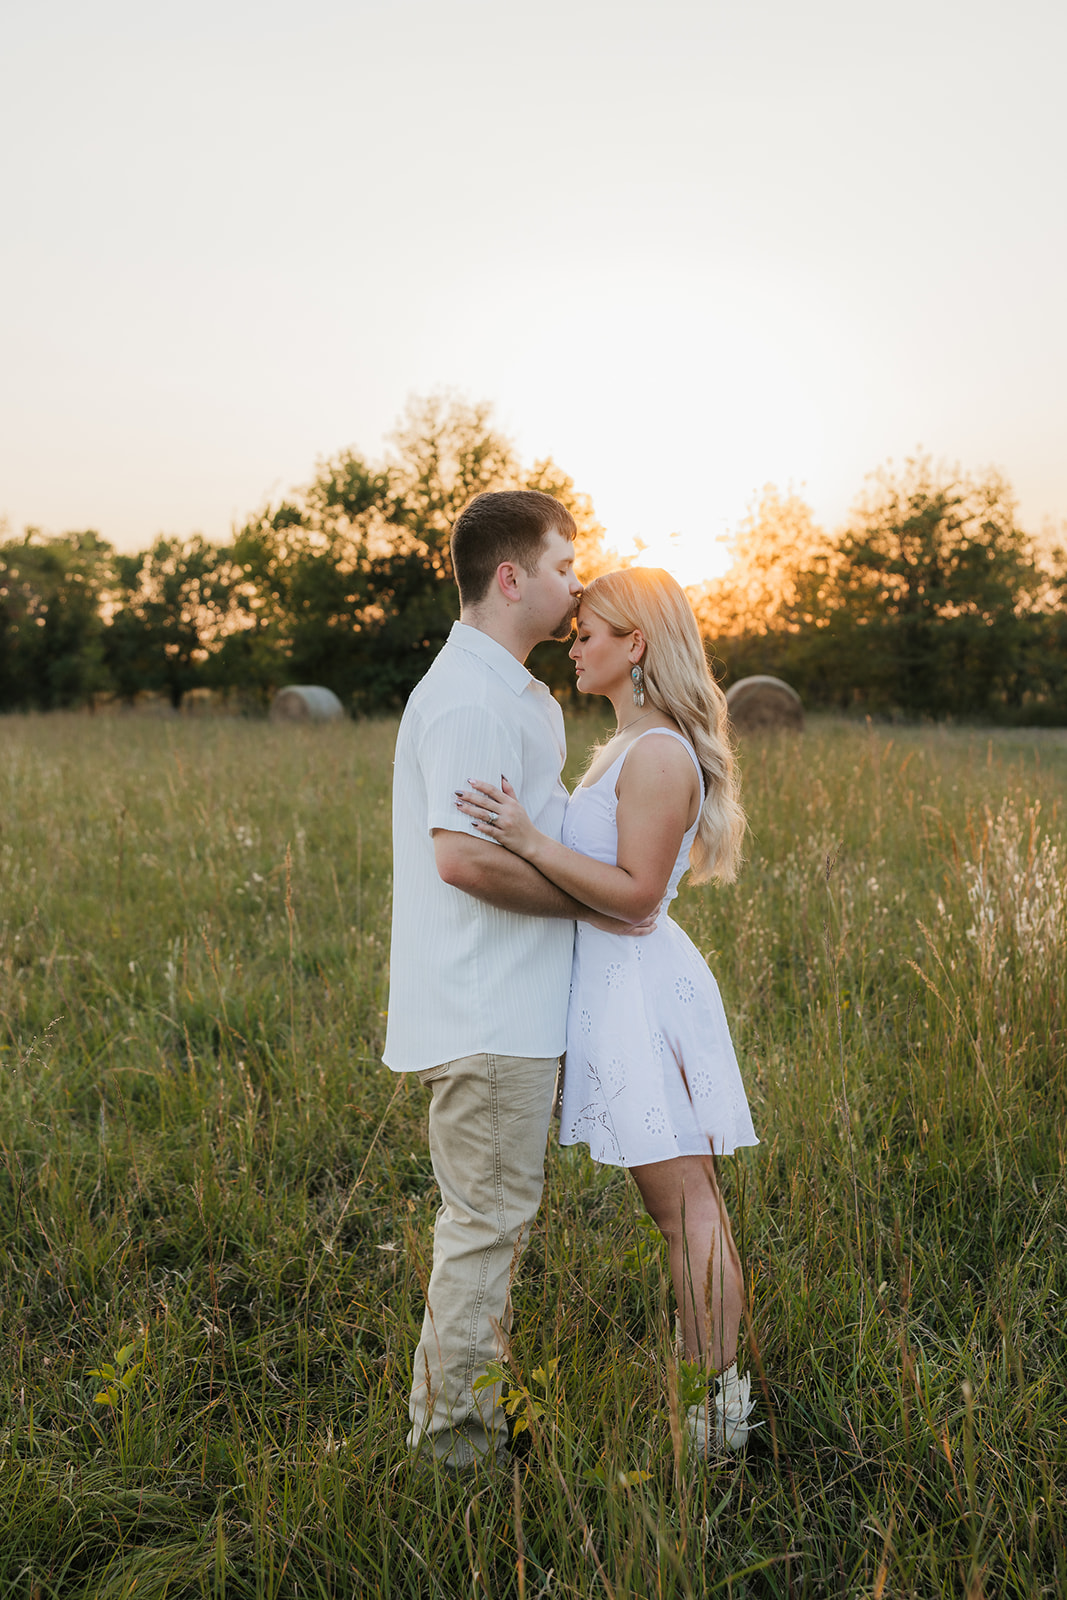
638 678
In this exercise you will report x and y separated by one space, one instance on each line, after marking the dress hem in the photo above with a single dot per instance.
676 1155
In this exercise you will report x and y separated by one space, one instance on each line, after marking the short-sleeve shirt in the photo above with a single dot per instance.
466 977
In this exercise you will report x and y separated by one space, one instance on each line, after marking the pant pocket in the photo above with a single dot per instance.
431 1074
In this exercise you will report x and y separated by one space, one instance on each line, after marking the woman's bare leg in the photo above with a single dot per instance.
682 1198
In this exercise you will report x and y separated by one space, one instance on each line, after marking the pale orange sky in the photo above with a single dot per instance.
687 249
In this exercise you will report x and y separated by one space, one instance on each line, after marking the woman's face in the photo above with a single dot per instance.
602 659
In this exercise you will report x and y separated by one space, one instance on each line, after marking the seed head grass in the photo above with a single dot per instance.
216 1205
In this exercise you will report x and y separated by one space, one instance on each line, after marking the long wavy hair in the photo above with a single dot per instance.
679 683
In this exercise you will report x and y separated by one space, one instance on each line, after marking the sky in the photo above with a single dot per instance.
686 249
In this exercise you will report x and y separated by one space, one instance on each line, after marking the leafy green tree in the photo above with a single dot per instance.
52 592
348 583
765 612
1042 695
780 562
250 653
445 450
933 587
930 601
173 605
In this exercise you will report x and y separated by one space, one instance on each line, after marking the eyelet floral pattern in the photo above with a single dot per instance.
651 1071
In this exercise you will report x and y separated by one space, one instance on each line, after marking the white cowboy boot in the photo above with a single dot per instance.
720 1423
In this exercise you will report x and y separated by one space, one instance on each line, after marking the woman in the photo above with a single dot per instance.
651 1080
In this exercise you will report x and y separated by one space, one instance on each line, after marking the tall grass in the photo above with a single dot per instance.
216 1200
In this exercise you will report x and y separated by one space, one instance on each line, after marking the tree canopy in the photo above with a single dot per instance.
346 582
53 593
931 600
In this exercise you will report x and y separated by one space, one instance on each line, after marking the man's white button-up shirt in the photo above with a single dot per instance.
465 977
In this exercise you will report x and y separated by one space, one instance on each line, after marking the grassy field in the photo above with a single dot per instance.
216 1205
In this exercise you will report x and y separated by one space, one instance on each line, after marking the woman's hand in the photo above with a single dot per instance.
498 815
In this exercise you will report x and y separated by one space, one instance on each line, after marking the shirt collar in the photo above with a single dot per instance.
503 663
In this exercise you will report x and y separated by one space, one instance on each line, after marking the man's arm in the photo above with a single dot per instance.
487 872
467 740
504 880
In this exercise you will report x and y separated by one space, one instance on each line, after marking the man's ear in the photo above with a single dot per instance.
507 581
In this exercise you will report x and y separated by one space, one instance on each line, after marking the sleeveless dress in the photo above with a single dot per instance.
650 1070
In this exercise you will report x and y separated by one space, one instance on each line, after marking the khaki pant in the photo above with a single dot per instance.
488 1126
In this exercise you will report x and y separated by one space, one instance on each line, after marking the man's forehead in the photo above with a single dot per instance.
557 544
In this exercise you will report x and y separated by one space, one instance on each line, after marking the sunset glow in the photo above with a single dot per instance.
676 248
689 560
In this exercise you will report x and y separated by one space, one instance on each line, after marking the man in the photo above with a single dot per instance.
481 948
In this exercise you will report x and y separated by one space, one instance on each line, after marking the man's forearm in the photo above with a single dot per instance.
501 879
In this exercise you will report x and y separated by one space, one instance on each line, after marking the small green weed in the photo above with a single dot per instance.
120 1376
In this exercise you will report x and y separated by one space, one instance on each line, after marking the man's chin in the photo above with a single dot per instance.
564 630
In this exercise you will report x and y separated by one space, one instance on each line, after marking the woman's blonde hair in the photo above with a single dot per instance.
679 683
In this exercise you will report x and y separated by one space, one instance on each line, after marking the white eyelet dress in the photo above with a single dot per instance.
650 1070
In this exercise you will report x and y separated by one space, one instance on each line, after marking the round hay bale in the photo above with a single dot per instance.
764 704
301 702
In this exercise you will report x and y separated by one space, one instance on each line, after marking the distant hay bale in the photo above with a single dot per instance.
302 702
764 704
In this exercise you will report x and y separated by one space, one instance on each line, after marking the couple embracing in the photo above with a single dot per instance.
528 923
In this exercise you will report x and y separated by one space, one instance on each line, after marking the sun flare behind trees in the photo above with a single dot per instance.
931 600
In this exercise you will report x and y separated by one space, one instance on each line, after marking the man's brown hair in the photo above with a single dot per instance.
503 525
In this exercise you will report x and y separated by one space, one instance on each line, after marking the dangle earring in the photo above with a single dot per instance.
638 679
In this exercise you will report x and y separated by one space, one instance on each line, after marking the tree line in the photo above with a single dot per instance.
346 583
931 601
